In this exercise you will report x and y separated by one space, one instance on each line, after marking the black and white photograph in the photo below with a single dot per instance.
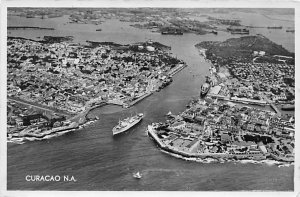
149 98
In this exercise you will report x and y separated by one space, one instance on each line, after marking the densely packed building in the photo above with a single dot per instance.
71 78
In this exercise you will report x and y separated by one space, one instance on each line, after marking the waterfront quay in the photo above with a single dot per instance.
265 74
226 131
258 76
254 83
65 80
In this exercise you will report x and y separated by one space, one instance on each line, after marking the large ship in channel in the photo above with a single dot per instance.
127 123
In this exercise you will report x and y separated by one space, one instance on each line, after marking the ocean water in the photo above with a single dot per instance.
99 161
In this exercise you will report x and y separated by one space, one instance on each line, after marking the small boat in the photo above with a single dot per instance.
169 113
137 175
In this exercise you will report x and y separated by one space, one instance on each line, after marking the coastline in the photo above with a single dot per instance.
177 69
187 154
173 72
209 160
30 27
211 157
265 102
20 137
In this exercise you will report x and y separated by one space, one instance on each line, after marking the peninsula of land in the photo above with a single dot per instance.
222 124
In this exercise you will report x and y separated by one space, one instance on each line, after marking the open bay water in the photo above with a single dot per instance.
99 161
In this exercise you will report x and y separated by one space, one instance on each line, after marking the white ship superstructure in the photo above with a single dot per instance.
127 123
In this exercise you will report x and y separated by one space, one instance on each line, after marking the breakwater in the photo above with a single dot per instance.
178 68
140 98
30 136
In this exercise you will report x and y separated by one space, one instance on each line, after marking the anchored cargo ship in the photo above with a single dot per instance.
127 123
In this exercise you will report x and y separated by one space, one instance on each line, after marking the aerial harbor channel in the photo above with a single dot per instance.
100 161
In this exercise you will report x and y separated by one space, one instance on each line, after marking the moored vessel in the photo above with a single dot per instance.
204 89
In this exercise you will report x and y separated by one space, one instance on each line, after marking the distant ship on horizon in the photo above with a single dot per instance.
275 27
172 32
238 30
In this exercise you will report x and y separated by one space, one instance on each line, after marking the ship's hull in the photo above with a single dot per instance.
118 131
